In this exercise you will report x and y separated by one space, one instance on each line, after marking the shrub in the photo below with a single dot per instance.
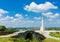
2 28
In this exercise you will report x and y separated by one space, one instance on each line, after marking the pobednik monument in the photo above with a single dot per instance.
42 25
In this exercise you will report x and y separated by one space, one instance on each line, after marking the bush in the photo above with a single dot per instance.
2 28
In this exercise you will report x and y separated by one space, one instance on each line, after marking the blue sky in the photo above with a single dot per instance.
28 13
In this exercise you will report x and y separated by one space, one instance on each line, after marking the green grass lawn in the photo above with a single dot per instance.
23 40
55 34
51 40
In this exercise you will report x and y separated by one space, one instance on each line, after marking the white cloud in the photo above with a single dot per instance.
37 18
51 15
10 21
52 23
40 7
29 21
7 18
19 16
17 21
2 11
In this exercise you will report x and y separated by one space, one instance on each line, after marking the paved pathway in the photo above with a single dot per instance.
46 34
13 34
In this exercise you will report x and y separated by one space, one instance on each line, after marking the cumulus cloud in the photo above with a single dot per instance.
40 7
2 11
7 18
51 15
18 21
19 16
10 21
37 18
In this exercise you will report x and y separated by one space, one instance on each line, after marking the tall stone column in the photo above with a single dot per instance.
42 25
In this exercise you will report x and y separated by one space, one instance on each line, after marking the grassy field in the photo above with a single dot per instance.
23 40
51 40
55 34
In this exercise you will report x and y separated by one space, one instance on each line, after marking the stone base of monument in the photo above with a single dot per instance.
30 35
42 32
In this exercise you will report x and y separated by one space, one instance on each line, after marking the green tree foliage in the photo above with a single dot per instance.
11 29
2 28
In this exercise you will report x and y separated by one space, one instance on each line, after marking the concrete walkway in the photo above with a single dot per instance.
46 34
10 35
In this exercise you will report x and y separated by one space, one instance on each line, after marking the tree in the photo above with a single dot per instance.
2 28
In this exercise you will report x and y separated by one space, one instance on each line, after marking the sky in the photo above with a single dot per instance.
28 13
